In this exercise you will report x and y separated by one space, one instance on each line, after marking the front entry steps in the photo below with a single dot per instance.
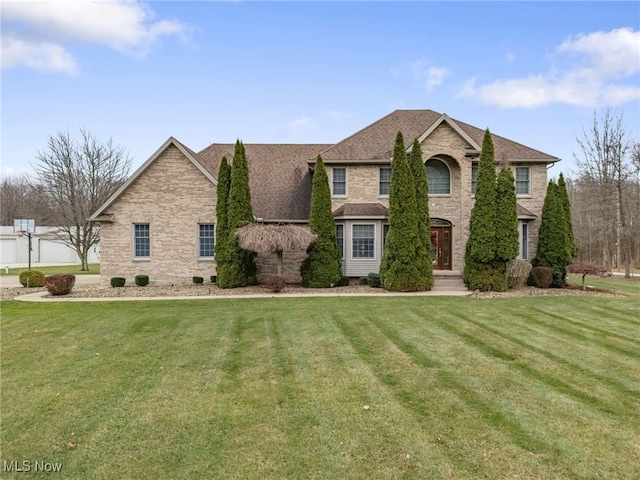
448 281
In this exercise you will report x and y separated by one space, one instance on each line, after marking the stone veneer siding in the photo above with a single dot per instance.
173 196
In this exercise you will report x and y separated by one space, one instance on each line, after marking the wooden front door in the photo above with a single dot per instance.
441 245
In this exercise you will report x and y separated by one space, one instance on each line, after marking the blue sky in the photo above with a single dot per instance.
311 72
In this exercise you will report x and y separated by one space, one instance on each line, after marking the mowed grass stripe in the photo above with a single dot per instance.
474 338
439 394
275 388
586 323
533 405
573 367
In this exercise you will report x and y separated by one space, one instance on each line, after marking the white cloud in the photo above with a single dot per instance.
434 77
600 60
37 34
430 75
44 57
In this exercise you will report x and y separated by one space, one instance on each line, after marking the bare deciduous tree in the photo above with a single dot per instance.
606 165
76 177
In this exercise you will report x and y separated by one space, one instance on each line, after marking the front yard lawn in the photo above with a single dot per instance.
335 388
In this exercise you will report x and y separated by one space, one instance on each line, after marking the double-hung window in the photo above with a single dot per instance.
339 181
340 238
523 181
385 180
363 240
206 234
141 240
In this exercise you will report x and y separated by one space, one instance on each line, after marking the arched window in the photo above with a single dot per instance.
438 177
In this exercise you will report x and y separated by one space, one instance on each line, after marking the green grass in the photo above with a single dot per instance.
627 286
94 269
535 387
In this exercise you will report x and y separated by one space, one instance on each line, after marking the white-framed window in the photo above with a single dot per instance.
524 241
206 240
363 241
340 238
385 180
438 177
339 175
523 181
141 240
474 177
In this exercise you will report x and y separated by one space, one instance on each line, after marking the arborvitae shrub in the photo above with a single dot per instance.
118 281
275 283
32 278
517 273
142 280
373 280
343 282
542 276
198 280
61 284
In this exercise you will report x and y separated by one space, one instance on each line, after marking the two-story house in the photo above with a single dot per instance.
161 222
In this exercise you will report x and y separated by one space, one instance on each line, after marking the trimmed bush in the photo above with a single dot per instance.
343 282
214 278
275 283
542 276
373 280
198 280
364 280
32 278
118 281
61 284
517 273
142 280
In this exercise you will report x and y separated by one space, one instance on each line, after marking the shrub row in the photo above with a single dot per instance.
143 280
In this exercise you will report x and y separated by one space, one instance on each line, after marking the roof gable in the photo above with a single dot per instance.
188 153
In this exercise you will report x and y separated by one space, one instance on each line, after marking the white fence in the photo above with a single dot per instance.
14 249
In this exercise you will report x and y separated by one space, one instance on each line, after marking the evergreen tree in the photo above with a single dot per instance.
422 202
480 250
553 246
404 266
323 265
507 238
566 205
240 270
222 205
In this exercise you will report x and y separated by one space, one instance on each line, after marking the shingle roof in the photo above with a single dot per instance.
279 177
361 210
279 174
376 141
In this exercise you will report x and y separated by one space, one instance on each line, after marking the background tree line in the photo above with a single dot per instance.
605 194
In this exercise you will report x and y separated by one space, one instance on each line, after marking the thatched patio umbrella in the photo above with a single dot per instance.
262 238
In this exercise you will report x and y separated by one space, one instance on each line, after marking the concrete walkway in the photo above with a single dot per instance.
13 281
